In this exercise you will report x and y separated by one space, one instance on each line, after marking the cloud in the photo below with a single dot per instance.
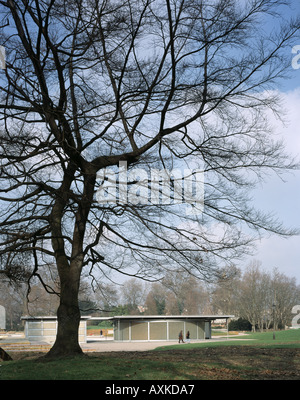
283 197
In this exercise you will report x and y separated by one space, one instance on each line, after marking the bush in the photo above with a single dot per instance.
240 324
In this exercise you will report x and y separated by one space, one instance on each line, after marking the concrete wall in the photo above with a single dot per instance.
148 330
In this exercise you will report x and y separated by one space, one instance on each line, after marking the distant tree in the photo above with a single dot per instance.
264 298
156 300
12 297
119 310
184 294
106 296
133 295
87 306
284 294
225 292
252 293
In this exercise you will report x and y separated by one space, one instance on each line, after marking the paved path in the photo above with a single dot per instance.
110 345
11 343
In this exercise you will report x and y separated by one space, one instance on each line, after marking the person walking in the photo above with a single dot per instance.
180 337
187 336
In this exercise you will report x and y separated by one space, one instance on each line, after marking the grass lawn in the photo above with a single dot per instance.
283 339
256 356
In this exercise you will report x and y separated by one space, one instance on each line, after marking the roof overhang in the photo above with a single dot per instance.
166 317
47 317
136 317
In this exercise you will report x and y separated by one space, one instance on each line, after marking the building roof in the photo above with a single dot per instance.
143 317
136 317
46 317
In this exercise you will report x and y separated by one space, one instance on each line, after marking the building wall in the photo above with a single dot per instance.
43 330
158 330
147 330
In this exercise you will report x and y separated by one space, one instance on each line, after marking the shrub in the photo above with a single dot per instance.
240 324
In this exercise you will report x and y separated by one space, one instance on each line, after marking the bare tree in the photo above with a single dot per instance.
156 299
106 296
184 294
225 292
134 295
264 298
90 84
12 298
253 295
284 295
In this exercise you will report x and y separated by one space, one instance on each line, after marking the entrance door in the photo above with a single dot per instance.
207 330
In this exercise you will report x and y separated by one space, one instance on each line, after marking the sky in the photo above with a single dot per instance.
284 197
276 195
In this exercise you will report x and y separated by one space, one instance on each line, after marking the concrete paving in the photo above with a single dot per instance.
110 345
20 343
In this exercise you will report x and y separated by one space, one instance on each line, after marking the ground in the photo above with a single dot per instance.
220 363
230 363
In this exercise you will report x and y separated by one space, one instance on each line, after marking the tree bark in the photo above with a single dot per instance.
68 317
68 313
4 356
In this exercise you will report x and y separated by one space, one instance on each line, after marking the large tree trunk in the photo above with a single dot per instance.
4 356
68 316
69 269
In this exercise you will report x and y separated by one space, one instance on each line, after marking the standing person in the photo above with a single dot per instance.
180 337
188 337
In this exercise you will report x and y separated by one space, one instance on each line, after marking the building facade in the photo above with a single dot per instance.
130 327
160 328
44 329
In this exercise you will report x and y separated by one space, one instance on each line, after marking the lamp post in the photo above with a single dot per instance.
273 307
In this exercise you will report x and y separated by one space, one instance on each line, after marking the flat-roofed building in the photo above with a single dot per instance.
44 329
163 327
130 327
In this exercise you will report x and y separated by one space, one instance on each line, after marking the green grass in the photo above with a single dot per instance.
156 367
86 368
103 325
75 368
283 339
